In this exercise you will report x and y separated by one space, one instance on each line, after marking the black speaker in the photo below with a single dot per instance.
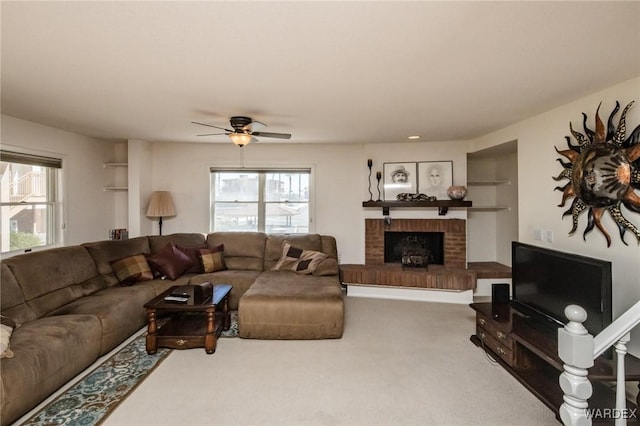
499 293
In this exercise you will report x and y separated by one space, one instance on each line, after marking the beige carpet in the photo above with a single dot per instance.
398 363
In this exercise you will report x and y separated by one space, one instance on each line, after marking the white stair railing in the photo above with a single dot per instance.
577 350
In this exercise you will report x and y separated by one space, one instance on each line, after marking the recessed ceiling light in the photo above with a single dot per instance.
414 137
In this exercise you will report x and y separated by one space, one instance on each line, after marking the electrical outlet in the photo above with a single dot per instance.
537 234
548 236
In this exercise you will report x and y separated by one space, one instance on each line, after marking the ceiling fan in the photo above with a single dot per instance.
245 129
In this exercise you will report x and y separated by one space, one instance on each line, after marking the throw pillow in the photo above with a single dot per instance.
132 269
6 329
327 267
212 260
298 260
194 255
169 261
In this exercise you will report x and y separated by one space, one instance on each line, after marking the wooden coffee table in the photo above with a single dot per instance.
188 326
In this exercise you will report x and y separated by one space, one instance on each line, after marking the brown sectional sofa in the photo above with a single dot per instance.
71 309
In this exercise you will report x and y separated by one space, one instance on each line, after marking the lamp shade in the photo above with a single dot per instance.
161 205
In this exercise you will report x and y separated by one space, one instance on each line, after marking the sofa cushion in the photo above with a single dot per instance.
329 246
170 262
327 267
286 305
242 250
330 265
119 309
52 278
48 352
12 302
273 248
105 252
132 269
298 260
212 260
158 242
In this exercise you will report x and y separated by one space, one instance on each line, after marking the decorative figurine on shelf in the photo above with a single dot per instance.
456 192
406 196
370 164
604 174
378 176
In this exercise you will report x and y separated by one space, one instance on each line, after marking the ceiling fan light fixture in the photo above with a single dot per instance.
240 139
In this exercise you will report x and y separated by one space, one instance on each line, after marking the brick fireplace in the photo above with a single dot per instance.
455 238
451 275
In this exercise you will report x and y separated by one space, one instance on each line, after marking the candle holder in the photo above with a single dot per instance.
378 176
370 164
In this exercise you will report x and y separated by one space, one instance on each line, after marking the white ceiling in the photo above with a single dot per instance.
324 71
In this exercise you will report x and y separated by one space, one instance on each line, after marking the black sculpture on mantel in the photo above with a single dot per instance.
370 164
378 176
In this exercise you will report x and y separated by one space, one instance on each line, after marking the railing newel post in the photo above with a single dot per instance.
621 396
575 348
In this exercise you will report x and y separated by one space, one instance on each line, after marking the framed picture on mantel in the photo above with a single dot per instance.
399 178
435 177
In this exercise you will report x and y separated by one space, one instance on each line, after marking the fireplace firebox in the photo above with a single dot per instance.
414 249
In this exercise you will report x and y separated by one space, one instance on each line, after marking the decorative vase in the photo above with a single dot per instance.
457 192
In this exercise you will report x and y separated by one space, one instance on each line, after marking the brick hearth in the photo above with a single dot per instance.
392 274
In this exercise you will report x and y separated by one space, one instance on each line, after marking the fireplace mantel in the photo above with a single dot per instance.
441 205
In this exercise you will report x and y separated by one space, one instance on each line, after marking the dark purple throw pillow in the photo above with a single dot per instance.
170 261
194 255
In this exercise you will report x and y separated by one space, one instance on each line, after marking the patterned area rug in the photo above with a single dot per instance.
90 401
233 330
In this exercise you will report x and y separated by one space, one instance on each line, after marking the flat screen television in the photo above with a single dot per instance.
545 281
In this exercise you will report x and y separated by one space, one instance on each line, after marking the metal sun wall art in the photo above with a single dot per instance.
604 173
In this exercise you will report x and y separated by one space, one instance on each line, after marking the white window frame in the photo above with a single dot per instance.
54 219
262 172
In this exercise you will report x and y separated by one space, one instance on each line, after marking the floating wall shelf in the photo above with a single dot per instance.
487 182
441 205
489 208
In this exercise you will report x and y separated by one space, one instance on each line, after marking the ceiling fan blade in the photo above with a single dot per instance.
211 125
213 134
254 126
272 135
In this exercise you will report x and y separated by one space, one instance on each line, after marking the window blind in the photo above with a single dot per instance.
30 159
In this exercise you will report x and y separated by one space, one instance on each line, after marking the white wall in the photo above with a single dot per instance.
140 157
89 210
538 202
339 171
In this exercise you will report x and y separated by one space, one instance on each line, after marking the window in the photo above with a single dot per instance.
28 200
272 201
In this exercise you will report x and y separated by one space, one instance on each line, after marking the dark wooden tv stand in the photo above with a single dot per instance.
529 351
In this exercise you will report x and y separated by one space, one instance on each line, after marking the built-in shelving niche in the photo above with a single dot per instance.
115 187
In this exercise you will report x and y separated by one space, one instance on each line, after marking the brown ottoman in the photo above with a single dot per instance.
287 305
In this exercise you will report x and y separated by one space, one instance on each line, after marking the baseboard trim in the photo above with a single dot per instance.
414 294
